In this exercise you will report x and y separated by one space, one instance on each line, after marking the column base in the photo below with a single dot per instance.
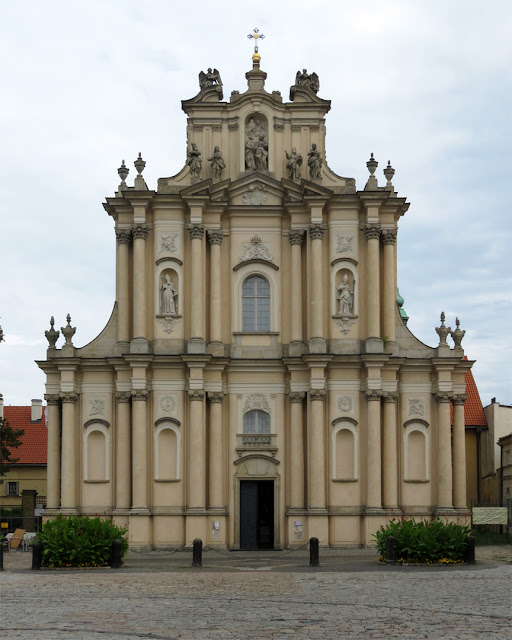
139 345
195 511
215 349
196 345
296 511
317 345
445 511
296 349
123 346
139 511
121 511
374 345
391 348
68 511
374 511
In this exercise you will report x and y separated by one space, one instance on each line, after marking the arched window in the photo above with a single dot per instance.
256 422
255 304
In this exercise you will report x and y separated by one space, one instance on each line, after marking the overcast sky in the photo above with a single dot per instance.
85 84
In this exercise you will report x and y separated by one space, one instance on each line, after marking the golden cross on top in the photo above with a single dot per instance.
256 35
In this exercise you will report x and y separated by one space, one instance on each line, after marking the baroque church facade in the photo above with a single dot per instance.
255 384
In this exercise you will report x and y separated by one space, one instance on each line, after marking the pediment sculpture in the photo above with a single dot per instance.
255 250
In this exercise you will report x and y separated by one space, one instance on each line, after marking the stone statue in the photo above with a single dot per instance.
305 79
261 154
209 79
293 164
218 163
314 163
345 297
168 297
250 148
194 161
256 128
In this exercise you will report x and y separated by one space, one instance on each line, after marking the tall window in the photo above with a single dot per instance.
12 489
256 422
256 304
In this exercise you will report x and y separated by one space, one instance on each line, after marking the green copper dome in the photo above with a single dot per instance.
400 300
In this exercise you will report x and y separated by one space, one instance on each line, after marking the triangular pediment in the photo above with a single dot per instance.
256 189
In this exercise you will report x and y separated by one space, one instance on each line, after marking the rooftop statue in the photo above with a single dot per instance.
314 163
217 163
209 79
294 160
194 161
305 79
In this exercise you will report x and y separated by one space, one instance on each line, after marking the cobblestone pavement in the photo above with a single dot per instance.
159 596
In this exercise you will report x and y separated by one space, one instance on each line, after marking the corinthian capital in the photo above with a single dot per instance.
317 231
52 398
459 398
140 231
372 231
196 394
69 397
140 394
296 236
317 394
390 396
373 394
215 236
388 236
444 396
123 236
196 231
123 396
296 396
215 397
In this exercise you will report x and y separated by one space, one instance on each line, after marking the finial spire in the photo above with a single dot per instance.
256 36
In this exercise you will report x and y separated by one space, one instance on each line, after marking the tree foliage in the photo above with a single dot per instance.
10 439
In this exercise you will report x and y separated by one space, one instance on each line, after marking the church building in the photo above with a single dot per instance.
256 384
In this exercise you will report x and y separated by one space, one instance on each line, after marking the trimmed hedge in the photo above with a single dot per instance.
424 541
79 541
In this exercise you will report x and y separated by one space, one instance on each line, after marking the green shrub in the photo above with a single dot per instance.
424 541
79 541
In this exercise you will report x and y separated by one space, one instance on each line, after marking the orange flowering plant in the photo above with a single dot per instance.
79 541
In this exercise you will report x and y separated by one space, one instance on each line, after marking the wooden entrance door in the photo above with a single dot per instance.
256 514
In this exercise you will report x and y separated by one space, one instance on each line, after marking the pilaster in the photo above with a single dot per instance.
53 459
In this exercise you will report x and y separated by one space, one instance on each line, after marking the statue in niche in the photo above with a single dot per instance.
305 79
345 297
168 297
209 79
261 154
256 146
194 161
314 163
293 165
217 162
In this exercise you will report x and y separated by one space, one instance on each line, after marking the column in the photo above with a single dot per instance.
53 459
123 237
389 452
444 452
372 232
69 461
296 237
123 452
215 238
459 452
196 232
216 462
316 462
296 451
389 291
139 451
196 457
140 232
374 466
317 231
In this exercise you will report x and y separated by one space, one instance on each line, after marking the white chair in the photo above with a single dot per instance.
27 540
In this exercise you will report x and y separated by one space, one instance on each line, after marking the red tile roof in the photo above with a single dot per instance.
33 446
473 411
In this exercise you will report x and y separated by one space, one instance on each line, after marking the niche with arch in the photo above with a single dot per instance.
345 297
345 450
256 143
96 448
416 447
169 302
167 441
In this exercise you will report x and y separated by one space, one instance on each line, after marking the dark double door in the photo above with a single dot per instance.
256 514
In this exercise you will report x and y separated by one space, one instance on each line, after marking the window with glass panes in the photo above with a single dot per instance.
12 489
256 304
256 422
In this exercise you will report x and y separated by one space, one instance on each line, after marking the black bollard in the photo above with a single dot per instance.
37 554
1 555
197 553
117 548
314 559
469 551
391 542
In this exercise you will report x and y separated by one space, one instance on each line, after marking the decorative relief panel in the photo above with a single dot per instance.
96 407
169 242
168 405
256 401
416 407
256 195
344 243
345 403
255 249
